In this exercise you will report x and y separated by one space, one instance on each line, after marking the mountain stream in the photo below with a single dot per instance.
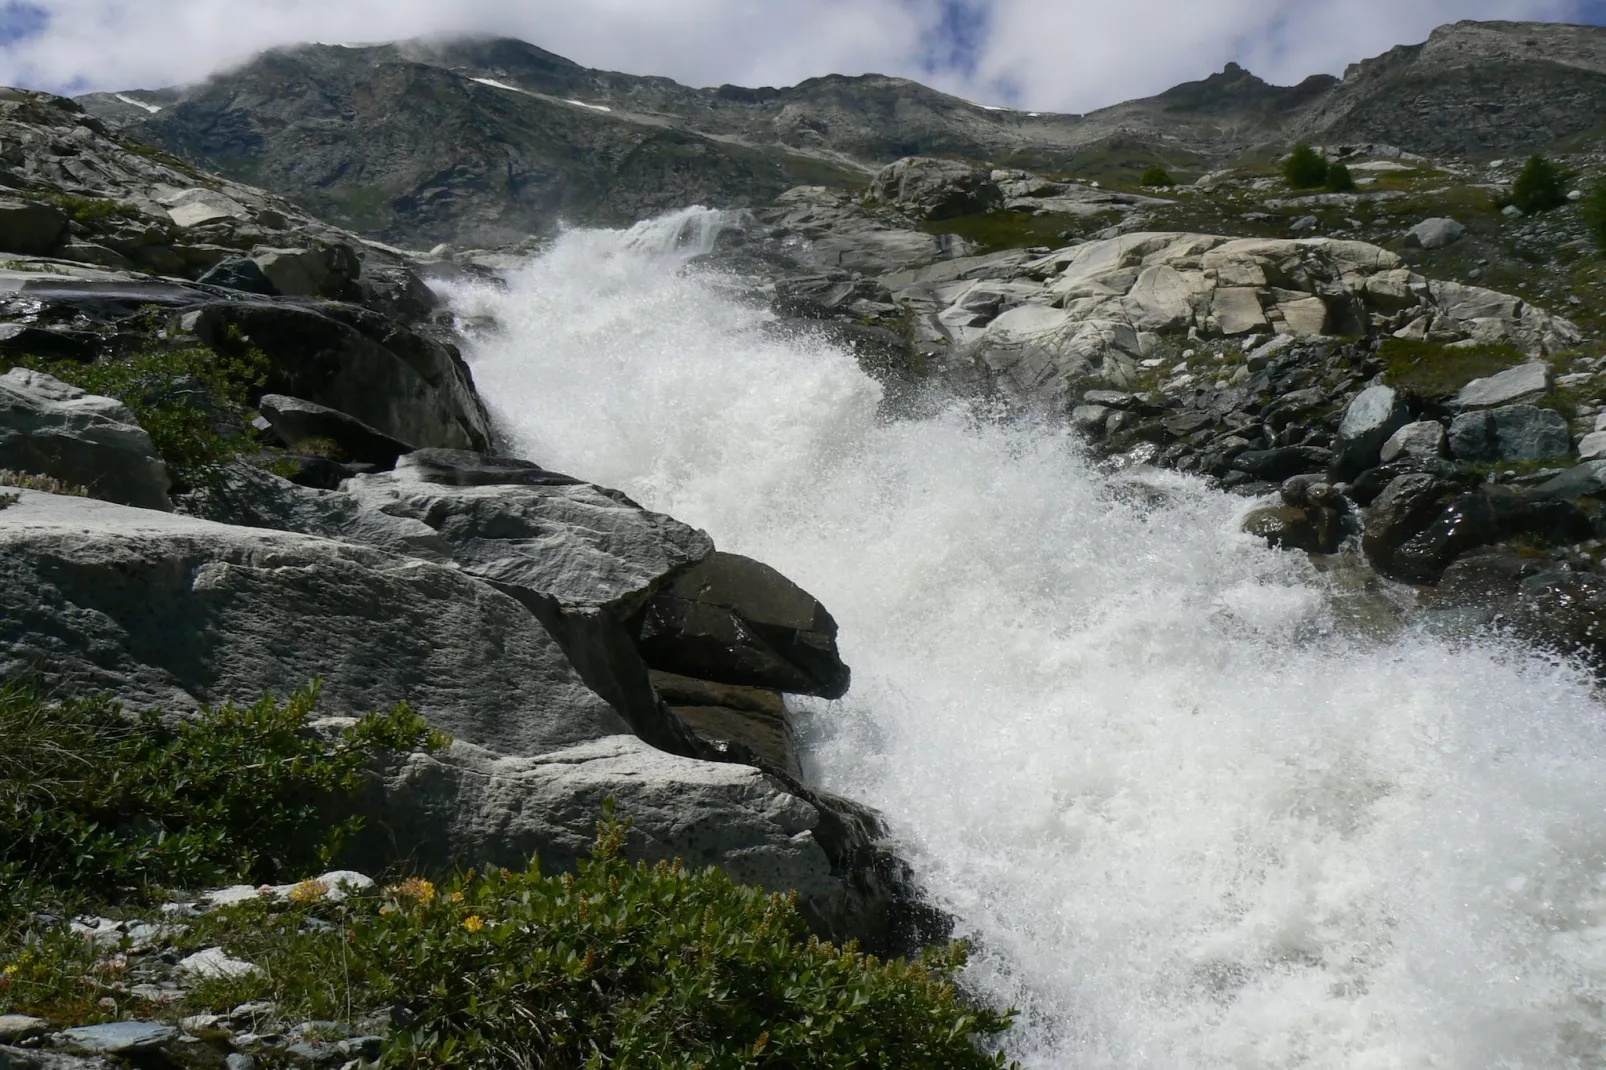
1190 817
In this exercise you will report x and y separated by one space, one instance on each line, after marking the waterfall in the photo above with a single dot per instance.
1191 812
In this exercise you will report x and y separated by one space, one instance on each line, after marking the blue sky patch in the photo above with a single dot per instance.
19 20
955 45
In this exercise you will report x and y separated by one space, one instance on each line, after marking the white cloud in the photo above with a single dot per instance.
1047 54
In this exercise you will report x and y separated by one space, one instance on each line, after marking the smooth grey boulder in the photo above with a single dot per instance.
298 422
1511 433
1525 381
936 189
50 428
1425 438
739 621
15 1027
468 806
1592 447
1434 234
582 558
29 227
170 611
1371 419
248 496
573 544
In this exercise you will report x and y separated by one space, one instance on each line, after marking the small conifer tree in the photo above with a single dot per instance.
1339 180
1157 176
1540 186
1305 168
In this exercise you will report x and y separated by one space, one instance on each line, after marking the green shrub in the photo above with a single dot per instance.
104 806
1339 180
1157 176
1305 168
181 397
1540 186
91 209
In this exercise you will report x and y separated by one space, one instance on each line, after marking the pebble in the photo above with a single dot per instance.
15 1027
119 1038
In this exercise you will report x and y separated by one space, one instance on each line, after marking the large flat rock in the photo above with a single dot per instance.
172 611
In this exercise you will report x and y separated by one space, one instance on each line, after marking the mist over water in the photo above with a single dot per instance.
1189 817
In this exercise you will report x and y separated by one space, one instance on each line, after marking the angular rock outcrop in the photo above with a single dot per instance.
49 428
936 189
1090 313
738 621
174 611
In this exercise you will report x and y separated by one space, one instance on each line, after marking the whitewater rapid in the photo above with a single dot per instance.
1190 819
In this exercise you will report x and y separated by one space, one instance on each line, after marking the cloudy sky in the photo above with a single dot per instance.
1063 55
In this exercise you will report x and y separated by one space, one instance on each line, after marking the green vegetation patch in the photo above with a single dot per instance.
186 399
101 806
1434 369
615 965
1305 168
995 231
1541 185
90 209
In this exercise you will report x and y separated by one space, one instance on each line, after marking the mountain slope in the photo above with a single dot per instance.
487 140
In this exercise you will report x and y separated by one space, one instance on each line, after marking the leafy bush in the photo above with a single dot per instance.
1540 186
1339 180
1305 168
105 806
1157 176
181 397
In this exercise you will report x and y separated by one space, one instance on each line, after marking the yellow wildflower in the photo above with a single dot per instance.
473 923
309 891
456 897
12 970
417 888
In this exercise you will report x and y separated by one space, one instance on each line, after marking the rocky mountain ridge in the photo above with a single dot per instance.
485 141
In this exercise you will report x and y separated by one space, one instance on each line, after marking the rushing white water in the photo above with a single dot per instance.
1189 819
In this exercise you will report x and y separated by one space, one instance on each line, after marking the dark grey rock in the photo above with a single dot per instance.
738 621
1405 507
1588 478
296 422
29 227
240 273
1371 418
39 1059
1512 433
464 468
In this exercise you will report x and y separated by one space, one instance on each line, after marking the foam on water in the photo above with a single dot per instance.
1190 820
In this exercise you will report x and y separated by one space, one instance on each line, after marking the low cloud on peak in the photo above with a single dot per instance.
1070 55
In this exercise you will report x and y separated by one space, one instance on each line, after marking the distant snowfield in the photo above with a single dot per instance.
152 108
494 84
